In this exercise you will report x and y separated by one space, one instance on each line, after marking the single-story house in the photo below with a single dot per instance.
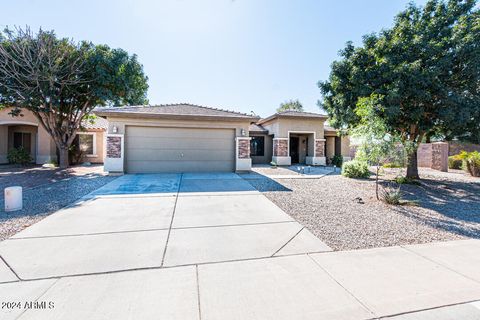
192 138
26 132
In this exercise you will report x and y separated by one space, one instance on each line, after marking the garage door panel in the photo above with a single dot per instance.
147 132
176 155
159 149
179 144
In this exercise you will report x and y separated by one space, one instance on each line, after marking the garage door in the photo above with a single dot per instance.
159 149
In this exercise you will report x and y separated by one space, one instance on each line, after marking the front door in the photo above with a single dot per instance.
294 154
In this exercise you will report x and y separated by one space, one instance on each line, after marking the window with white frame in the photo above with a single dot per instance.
85 142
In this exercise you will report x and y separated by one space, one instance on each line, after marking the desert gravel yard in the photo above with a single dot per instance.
45 191
345 214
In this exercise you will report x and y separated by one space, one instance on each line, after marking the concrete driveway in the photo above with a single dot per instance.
209 246
158 220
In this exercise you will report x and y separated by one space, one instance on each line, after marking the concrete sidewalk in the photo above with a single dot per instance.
211 247
397 282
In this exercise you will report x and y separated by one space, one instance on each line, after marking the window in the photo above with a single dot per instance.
257 146
22 140
85 142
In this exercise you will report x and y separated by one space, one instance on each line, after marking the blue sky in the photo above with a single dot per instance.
243 54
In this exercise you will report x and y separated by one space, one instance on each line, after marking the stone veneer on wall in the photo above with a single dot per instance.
114 147
320 148
280 148
243 148
440 156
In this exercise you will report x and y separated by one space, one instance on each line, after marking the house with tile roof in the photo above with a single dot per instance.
191 138
26 132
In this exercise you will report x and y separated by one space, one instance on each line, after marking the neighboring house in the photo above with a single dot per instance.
26 132
192 138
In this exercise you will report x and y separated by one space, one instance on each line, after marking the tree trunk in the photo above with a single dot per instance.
428 138
412 165
376 183
63 157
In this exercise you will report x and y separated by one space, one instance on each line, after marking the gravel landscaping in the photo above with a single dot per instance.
47 196
346 215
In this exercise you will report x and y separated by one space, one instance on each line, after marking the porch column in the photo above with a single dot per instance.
280 152
318 158
243 161
3 143
114 157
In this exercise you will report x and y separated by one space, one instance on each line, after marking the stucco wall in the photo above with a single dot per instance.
281 126
424 155
455 147
330 143
345 146
45 146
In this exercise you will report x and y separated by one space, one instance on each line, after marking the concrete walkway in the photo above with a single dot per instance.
209 246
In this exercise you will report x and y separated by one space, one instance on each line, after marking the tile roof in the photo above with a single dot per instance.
97 123
180 109
295 114
256 128
328 128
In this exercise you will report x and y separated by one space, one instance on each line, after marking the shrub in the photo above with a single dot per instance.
355 169
393 165
19 156
471 162
392 196
336 160
405 180
455 162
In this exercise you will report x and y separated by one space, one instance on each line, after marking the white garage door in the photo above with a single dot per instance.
159 149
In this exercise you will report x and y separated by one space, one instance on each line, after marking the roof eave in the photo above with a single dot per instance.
277 116
107 114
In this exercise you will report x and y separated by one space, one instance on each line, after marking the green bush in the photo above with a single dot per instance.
471 162
336 160
19 156
455 162
392 196
355 169
405 180
393 165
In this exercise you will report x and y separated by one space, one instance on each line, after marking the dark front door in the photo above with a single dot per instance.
338 146
294 149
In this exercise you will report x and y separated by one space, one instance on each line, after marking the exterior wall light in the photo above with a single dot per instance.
243 133
114 129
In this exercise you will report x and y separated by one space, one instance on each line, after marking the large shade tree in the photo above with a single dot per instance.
61 81
290 105
425 71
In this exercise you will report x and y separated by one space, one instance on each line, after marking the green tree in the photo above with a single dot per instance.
377 145
425 69
61 81
294 105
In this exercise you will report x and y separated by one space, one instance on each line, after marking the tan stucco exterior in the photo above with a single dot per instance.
308 130
43 149
280 127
